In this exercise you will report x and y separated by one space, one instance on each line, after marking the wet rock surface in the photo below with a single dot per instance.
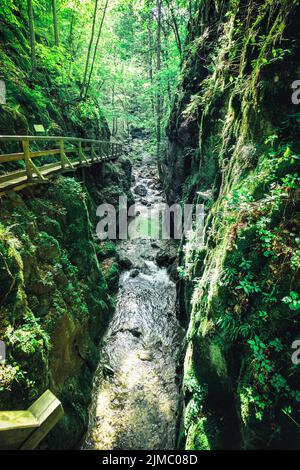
140 190
136 390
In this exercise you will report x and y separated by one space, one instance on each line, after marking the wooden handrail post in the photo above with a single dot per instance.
26 150
97 155
24 430
31 168
81 154
94 155
63 157
62 153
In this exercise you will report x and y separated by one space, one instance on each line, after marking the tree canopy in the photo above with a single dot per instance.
124 54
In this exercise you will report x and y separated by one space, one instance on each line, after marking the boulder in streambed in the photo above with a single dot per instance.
165 258
145 356
140 190
134 273
125 262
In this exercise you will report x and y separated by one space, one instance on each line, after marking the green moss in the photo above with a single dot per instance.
112 277
197 438
217 360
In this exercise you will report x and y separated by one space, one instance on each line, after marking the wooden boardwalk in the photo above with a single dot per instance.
68 153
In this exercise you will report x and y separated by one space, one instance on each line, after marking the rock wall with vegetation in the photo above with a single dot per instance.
57 285
234 146
49 95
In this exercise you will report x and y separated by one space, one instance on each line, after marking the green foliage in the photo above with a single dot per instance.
30 337
292 300
52 289
195 405
233 328
260 201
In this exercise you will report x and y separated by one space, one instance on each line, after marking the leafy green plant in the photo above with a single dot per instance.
233 328
248 285
292 300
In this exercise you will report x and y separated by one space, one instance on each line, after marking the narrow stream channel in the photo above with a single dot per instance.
136 388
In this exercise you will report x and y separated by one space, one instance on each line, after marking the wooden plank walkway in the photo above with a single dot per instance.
80 153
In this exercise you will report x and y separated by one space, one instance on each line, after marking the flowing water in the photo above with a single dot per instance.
136 389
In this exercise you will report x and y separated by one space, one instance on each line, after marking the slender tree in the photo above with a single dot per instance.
158 70
165 55
150 59
96 46
32 35
191 10
55 25
71 42
174 25
83 87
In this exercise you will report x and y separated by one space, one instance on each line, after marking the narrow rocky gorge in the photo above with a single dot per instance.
149 343
136 395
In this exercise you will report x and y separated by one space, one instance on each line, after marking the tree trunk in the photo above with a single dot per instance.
191 10
150 59
32 35
113 109
71 43
96 46
175 27
55 26
165 55
158 70
89 51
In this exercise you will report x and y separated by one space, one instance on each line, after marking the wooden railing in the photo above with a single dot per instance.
26 429
69 153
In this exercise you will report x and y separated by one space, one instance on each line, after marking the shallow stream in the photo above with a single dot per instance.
136 387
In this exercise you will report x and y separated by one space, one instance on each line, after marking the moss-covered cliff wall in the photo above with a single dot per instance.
57 285
234 146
